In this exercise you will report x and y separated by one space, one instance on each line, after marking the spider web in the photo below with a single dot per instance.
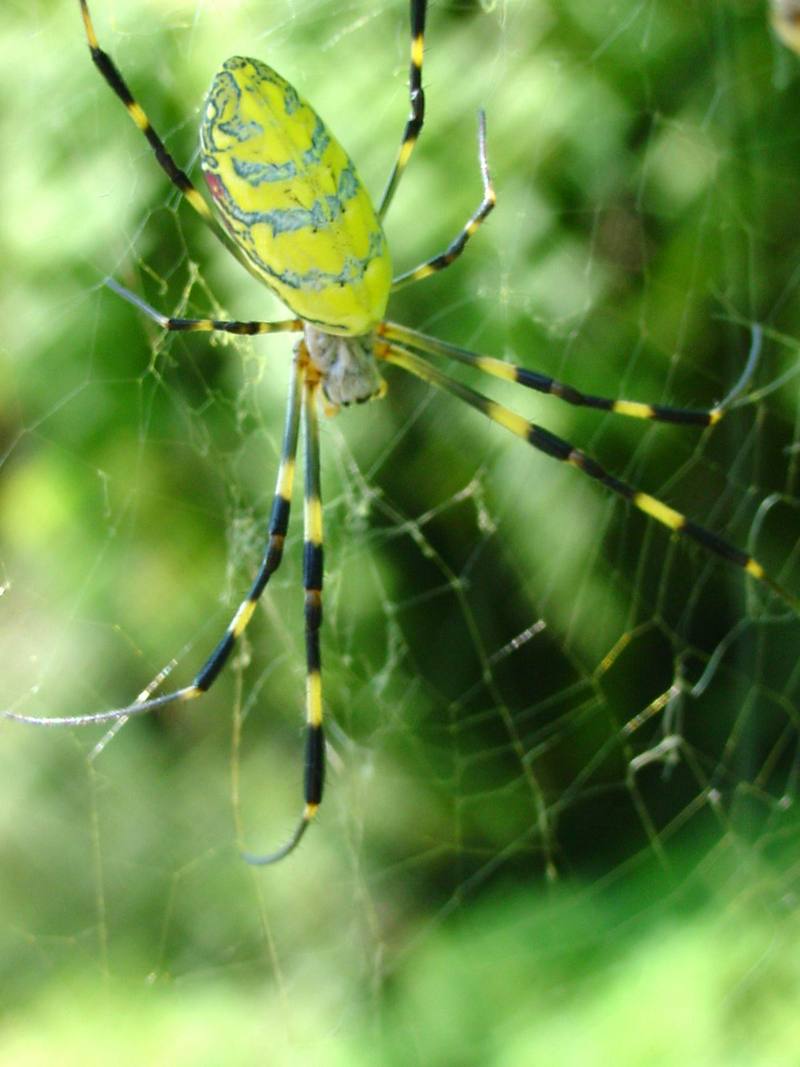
552 725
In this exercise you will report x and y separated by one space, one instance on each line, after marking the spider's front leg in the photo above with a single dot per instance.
416 97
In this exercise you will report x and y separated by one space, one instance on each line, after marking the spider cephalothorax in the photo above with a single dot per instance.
348 367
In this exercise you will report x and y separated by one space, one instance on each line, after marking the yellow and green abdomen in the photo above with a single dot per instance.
289 195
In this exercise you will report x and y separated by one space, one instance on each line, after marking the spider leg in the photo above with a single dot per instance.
456 247
417 101
556 447
203 325
499 368
312 582
179 178
208 673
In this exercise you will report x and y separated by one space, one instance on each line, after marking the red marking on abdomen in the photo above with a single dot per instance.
216 188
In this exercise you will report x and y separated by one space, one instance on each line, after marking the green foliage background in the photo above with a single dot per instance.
559 824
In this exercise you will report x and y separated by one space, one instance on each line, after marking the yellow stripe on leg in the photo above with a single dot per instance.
418 50
242 617
633 408
508 419
314 698
198 203
404 155
314 520
190 692
754 568
91 36
657 510
498 368
286 479
137 114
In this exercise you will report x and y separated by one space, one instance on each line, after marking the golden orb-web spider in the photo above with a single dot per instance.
292 210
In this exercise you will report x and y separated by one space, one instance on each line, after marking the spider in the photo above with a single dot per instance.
290 207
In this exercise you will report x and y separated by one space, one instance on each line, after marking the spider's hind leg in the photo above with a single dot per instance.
312 582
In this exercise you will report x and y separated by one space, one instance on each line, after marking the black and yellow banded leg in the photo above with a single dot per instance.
551 445
417 100
456 247
273 553
312 583
179 178
278 525
203 325
312 587
499 368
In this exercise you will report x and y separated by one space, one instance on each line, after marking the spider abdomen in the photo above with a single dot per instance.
290 197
